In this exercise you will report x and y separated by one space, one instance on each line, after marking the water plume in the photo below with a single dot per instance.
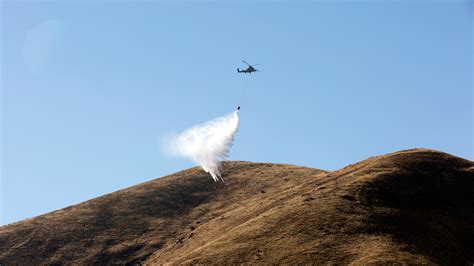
207 144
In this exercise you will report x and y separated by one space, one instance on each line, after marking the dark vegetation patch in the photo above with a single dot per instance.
429 204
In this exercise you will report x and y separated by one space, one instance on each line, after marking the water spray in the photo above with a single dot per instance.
207 144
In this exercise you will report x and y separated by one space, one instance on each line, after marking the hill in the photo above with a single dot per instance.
413 206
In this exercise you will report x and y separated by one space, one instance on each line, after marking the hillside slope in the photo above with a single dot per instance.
412 206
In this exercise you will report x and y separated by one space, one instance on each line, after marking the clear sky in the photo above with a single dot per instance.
89 89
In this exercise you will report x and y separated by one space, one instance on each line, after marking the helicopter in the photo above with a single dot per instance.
249 69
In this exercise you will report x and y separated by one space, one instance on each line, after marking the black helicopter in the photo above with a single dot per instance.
249 69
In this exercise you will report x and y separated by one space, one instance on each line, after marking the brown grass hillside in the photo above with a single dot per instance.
414 206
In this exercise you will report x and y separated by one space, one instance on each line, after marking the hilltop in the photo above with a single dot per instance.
413 206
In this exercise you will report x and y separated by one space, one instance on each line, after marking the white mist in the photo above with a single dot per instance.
207 144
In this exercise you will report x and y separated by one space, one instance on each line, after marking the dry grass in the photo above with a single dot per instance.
414 206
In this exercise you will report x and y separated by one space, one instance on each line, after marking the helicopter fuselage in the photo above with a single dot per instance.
247 70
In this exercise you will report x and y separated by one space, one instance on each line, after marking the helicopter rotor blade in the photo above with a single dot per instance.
246 62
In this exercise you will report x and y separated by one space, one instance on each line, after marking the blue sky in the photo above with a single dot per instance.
89 89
